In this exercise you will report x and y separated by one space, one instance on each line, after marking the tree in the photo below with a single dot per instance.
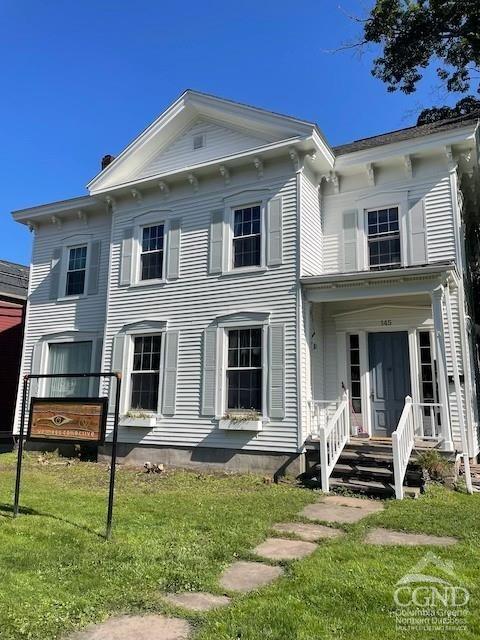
465 106
415 33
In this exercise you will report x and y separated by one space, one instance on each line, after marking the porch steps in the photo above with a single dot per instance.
366 466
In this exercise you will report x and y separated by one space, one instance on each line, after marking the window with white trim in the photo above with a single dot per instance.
76 271
355 378
145 372
383 237
69 357
152 252
247 237
244 369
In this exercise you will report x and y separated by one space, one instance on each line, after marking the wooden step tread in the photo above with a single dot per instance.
359 469
372 486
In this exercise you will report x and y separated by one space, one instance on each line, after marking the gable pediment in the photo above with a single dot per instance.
167 145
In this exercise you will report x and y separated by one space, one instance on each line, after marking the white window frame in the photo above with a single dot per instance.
227 368
222 361
72 243
149 220
383 200
383 266
202 135
128 369
231 229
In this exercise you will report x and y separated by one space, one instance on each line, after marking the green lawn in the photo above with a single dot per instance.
178 533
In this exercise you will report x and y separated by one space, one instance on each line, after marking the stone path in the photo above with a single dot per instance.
389 537
150 627
308 532
242 577
282 549
247 576
197 601
341 509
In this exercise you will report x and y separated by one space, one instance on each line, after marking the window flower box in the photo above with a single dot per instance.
145 422
250 421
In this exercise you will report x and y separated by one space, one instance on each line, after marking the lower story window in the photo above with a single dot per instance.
244 370
69 357
145 372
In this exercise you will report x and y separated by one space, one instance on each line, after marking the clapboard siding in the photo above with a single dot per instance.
192 302
436 193
220 141
45 316
311 233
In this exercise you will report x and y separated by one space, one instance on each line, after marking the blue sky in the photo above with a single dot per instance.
82 79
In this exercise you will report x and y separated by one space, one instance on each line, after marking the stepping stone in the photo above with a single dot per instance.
341 509
308 532
247 576
197 601
151 627
282 549
388 537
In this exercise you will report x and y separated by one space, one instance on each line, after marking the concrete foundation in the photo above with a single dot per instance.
207 458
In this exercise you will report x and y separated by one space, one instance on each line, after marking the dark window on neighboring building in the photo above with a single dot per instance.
383 238
146 372
151 258
76 271
244 369
246 237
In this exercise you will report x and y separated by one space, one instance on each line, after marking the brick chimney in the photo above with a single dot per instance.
106 160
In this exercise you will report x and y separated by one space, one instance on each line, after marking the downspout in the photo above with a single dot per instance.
458 394
299 311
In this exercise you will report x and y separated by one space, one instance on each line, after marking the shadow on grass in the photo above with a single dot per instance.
6 511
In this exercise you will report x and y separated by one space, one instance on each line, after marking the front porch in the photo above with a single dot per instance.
385 362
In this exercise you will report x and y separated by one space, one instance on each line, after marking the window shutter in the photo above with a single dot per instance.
126 259
350 241
55 271
117 365
35 367
94 267
173 261
170 373
418 245
276 356
216 242
97 364
209 377
274 229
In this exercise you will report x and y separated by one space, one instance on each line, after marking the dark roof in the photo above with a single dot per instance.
406 134
13 279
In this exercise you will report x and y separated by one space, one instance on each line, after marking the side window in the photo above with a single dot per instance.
244 369
152 252
383 232
354 363
145 374
76 271
69 357
246 237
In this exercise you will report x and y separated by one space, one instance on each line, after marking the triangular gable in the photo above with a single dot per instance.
216 141
230 128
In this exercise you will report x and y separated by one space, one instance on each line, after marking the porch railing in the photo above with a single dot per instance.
332 439
428 420
403 439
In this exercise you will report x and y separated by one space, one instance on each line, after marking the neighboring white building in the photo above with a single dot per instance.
230 260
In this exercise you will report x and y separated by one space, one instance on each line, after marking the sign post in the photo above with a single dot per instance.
69 420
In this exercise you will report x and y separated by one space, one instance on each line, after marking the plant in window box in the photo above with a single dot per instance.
241 420
138 419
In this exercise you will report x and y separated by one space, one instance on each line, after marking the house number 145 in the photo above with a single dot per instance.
386 323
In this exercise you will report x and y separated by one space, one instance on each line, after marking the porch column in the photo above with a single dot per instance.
437 310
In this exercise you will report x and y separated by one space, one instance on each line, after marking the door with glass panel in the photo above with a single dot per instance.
69 357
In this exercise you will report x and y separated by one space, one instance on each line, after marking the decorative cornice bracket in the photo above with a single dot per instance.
225 173
164 188
258 164
193 180
136 195
56 221
294 157
82 217
370 174
407 163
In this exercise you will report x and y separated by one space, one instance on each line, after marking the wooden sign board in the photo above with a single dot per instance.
68 420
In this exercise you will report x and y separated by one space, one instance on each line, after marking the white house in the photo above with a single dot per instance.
242 274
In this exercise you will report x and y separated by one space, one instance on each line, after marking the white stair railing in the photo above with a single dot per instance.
403 439
333 437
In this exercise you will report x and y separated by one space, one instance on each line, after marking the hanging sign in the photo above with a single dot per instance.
68 420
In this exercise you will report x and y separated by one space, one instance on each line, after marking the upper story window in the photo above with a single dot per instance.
247 237
145 374
244 369
76 271
383 238
151 257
